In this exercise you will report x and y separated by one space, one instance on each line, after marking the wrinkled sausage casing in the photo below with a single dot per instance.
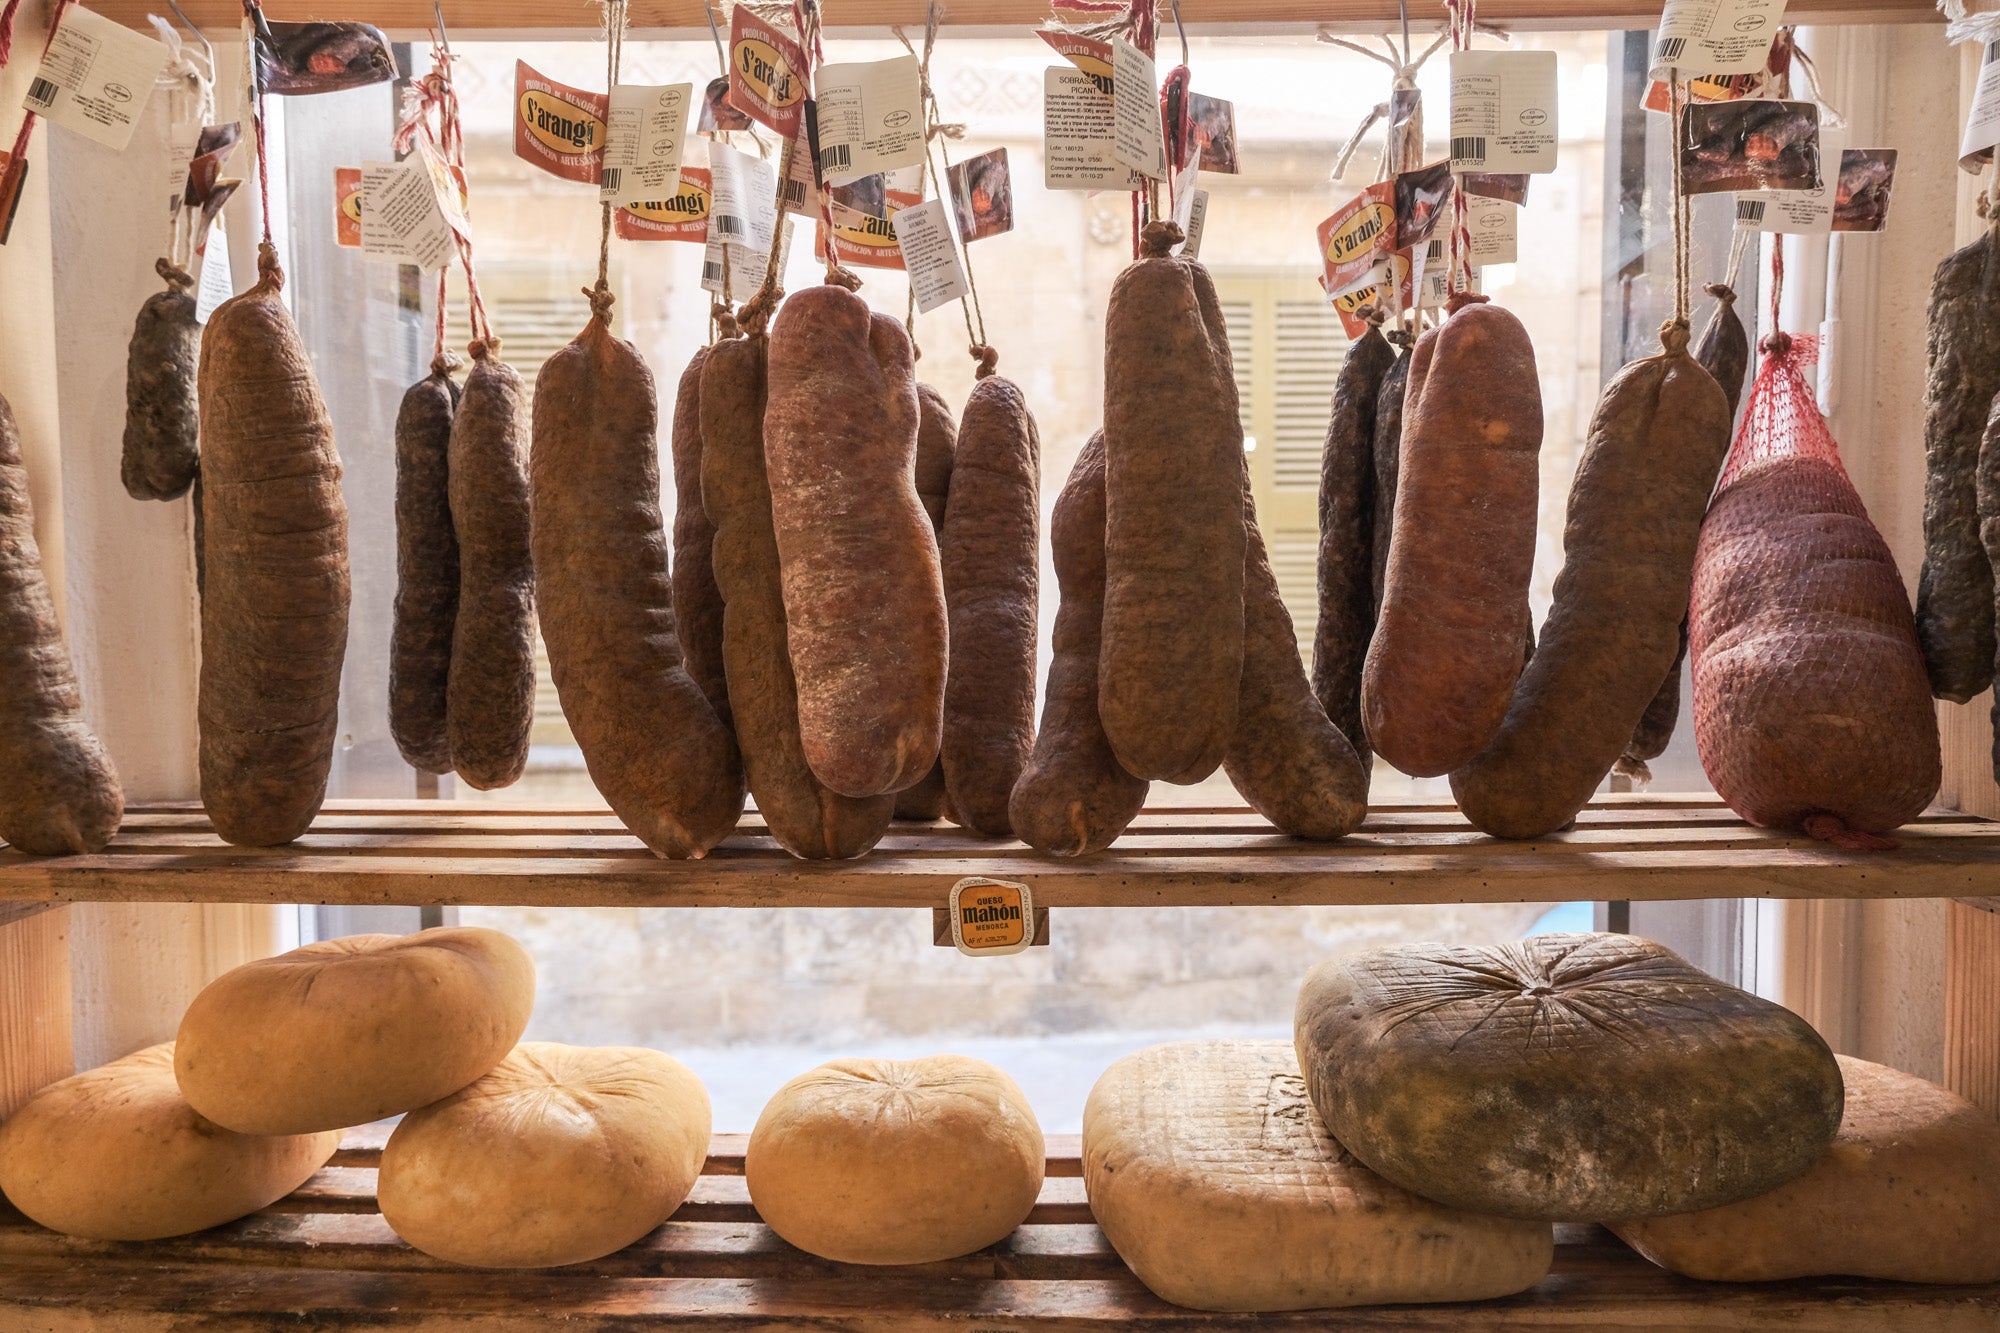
426 609
162 449
937 443
697 601
1349 513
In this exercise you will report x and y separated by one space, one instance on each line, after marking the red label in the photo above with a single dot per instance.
682 218
347 198
1086 53
559 128
767 79
1357 237
862 239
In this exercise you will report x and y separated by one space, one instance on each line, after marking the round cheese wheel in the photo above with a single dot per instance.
351 1030
896 1161
1214 1179
118 1154
561 1154
1568 1077
1910 1190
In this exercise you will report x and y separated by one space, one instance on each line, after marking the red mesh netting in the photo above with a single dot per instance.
1811 707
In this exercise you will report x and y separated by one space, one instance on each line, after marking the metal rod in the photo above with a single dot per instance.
190 25
443 36
1181 30
1403 10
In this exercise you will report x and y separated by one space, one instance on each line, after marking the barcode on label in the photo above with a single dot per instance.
1435 251
1468 149
1749 210
711 271
42 93
795 192
728 224
834 157
1670 50
613 176
1992 53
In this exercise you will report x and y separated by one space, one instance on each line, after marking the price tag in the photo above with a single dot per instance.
870 118
558 128
684 217
401 221
766 72
1982 122
746 267
991 918
217 282
744 208
96 77
1503 111
642 151
1716 36
1079 152
1495 227
1137 136
937 274
802 192
1806 212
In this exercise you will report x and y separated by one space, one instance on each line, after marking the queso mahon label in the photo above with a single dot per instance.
558 128
991 916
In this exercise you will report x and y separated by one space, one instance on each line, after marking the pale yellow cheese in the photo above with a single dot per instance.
1212 1176
561 1154
896 1161
117 1154
351 1030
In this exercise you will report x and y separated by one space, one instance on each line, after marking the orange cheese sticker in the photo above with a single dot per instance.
347 200
863 239
1088 54
558 128
991 916
1356 238
681 218
767 79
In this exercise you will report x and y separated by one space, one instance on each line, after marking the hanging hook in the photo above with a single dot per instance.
1180 31
721 55
443 35
190 25
1403 11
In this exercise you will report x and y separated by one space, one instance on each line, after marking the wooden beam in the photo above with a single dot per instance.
34 1007
1972 1005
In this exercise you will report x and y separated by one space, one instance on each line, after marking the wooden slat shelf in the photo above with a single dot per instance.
468 853
324 1259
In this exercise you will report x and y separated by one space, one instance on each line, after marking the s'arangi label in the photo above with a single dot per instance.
162 449
1656 442
426 608
1172 656
58 791
937 447
1448 643
806 817
1073 797
275 596
650 739
864 597
697 602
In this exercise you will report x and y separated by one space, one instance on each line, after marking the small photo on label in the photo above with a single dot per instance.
1509 189
869 194
300 59
1707 88
982 195
1421 198
1752 145
717 115
1861 203
1215 130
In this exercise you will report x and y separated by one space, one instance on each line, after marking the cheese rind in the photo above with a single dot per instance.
1910 1190
1216 1182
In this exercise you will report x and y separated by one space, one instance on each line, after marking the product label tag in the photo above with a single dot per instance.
216 282
802 193
766 72
1755 145
1716 36
1357 237
870 118
401 221
1495 227
1867 175
1197 217
937 274
96 78
642 150
746 267
1503 111
863 238
744 208
181 144
1982 122
1091 56
1137 136
1807 212
1215 131
1079 151
982 195
683 217
1707 88
1389 291
558 128
347 207
991 918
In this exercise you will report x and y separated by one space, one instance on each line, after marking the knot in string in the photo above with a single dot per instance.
1402 338
267 265
177 277
837 276
988 359
482 348
1722 292
601 300
1674 336
725 320
1458 301
756 312
1159 238
1777 344
443 363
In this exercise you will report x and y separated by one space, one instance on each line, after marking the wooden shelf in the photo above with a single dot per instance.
327 1252
475 852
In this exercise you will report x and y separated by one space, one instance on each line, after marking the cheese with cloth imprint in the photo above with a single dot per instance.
1217 1183
558 1155
896 1161
1575 1078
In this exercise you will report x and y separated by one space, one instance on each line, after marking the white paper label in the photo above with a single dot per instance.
1797 212
1197 216
1495 226
871 118
1503 111
1135 105
401 222
746 267
1982 122
801 189
218 284
924 233
1184 191
181 143
744 206
96 78
1078 150
1434 285
1716 36
642 146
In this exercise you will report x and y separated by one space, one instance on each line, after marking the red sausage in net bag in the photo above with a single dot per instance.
1812 709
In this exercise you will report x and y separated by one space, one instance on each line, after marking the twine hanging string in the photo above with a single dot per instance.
601 299
1674 334
806 17
1402 78
431 114
1459 258
756 312
721 316
189 80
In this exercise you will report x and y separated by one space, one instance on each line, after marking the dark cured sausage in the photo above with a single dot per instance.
1388 450
58 791
162 403
937 443
807 818
1172 656
864 598
1448 644
1348 515
1656 443
426 573
1073 797
652 743
697 601
274 605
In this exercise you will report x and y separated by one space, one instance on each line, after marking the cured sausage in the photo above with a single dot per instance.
992 570
491 695
1448 644
937 443
1172 656
1347 520
162 405
274 604
58 791
1955 589
1388 451
864 598
807 818
652 742
1656 442
1073 797
426 573
697 601
1287 759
